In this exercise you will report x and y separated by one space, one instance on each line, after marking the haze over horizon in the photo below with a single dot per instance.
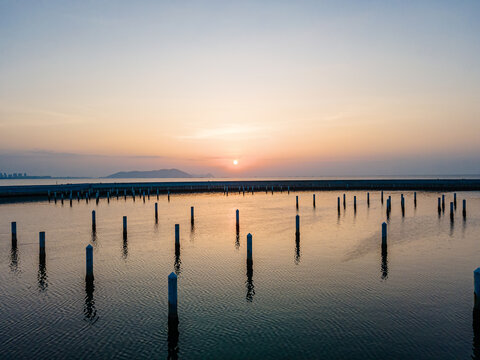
285 88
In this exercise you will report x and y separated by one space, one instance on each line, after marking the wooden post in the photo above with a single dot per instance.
89 258
177 235
172 296
464 210
451 211
297 225
355 203
124 225
249 247
368 199
476 287
237 215
192 217
94 221
382 196
42 245
313 200
156 211
439 205
14 233
297 201
384 234
415 198
338 204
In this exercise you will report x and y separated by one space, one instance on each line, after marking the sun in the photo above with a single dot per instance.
235 162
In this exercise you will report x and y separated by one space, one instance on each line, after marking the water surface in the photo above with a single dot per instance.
333 293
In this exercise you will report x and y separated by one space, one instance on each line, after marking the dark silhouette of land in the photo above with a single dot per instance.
162 173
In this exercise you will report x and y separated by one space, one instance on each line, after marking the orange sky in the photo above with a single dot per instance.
195 86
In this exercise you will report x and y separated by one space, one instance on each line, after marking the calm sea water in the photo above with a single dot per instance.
332 295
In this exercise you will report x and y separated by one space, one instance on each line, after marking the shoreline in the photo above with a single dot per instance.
21 193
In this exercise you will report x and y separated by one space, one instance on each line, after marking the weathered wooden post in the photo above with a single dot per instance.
382 196
124 226
439 205
344 202
368 199
172 297
192 217
156 212
384 234
14 233
415 198
42 245
168 195
338 204
455 200
237 216
313 200
443 202
94 221
402 202
464 210
297 201
297 225
249 248
89 258
355 203
451 211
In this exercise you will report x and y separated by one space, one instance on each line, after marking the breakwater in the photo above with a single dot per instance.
40 192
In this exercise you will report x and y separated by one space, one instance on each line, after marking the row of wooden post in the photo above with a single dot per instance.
172 278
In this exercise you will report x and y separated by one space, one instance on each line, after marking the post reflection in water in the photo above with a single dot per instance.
94 237
384 265
125 247
42 277
249 283
476 327
89 310
297 249
237 240
178 261
172 339
14 259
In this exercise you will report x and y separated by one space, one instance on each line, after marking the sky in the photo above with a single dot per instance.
286 88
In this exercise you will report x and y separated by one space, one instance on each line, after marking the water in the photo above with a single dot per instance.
332 295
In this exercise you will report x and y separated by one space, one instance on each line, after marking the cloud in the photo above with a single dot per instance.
230 131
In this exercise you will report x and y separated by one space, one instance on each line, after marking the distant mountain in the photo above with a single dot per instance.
163 173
